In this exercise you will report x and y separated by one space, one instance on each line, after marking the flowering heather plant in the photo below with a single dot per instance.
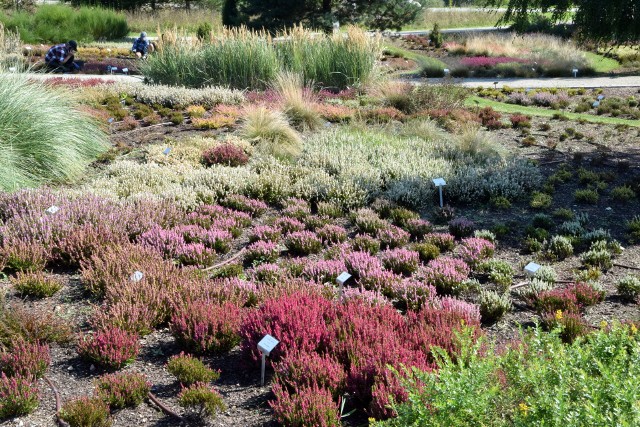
367 221
86 411
382 115
112 349
215 239
330 210
36 285
461 227
473 250
123 390
446 274
307 369
519 98
266 233
411 294
18 396
307 406
225 154
551 301
379 280
215 216
261 252
418 228
391 236
204 326
335 113
544 99
201 400
268 273
303 243
323 271
332 234
366 296
365 243
400 261
189 370
296 208
288 225
172 244
25 359
298 320
253 207
359 263
445 242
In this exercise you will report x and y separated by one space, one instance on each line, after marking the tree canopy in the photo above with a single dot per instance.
279 14
615 21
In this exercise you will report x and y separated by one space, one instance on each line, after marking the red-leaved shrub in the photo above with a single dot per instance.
225 154
25 359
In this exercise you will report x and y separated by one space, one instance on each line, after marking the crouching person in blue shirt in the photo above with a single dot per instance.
60 58
142 46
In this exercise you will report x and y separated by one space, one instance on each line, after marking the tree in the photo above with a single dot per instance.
279 14
615 21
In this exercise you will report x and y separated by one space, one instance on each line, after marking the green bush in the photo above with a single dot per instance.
493 306
586 195
189 370
539 381
43 138
629 287
59 23
559 248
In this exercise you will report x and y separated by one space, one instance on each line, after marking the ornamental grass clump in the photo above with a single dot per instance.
111 349
271 132
123 390
189 370
30 153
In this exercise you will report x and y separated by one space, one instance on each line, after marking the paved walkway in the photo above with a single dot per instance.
587 82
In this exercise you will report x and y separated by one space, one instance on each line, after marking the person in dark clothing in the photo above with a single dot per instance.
61 57
141 46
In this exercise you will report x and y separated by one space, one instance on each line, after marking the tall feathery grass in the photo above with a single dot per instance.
244 59
270 131
10 45
42 138
297 100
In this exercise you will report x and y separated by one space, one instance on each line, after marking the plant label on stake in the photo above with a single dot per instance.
125 70
575 72
166 151
342 279
600 97
596 104
266 346
136 276
446 71
531 269
52 210
440 182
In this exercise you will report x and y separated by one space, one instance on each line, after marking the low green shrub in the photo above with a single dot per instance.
540 200
629 287
189 370
201 401
623 193
633 229
86 411
123 390
539 380
493 306
586 195
36 285
559 248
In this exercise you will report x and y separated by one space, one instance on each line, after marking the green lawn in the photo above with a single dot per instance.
476 101
602 64
422 60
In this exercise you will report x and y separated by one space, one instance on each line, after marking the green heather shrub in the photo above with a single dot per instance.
86 411
123 390
597 257
559 248
498 271
633 228
537 381
427 251
629 287
36 285
623 193
564 213
586 195
201 401
540 200
189 370
57 23
493 306
44 139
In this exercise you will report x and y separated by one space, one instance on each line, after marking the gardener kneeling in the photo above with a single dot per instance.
141 46
60 57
